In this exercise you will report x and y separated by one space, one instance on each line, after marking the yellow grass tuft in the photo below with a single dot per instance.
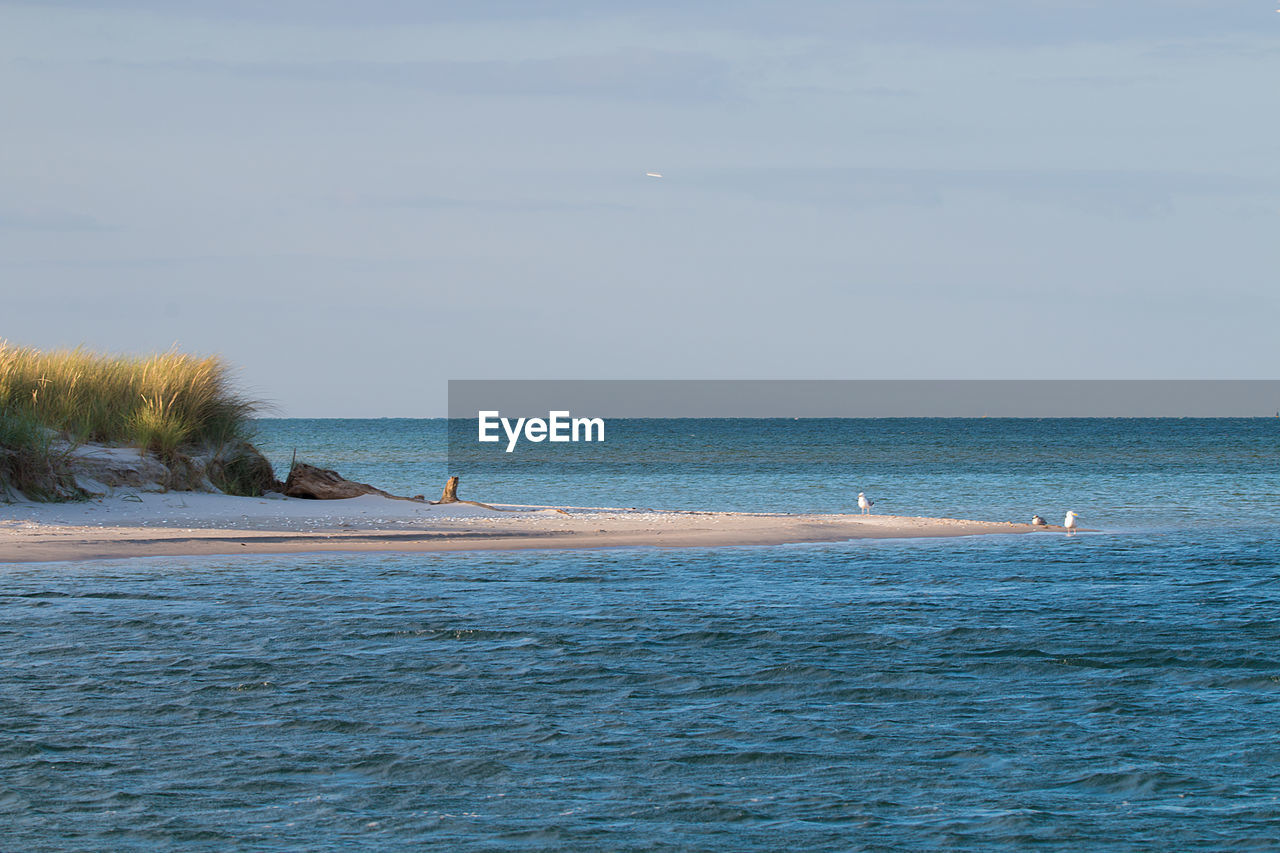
160 402
171 398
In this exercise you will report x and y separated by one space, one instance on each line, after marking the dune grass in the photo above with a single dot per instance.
28 462
162 403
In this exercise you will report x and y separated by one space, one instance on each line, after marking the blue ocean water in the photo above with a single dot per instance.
1116 690
1122 473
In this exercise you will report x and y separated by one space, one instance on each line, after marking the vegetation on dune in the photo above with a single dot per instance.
28 462
169 404
158 401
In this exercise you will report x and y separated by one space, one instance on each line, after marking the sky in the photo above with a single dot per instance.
356 202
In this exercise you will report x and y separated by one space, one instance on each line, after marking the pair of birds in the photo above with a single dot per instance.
1069 523
865 504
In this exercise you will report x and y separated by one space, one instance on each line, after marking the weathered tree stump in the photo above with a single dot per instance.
450 495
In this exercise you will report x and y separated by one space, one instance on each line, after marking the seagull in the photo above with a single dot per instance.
1070 522
1037 521
865 503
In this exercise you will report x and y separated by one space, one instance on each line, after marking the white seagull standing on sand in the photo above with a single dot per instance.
865 503
1070 521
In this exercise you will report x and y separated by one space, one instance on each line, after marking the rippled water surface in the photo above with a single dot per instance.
1119 473
1117 690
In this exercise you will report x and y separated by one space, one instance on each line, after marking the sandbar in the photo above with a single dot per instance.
197 524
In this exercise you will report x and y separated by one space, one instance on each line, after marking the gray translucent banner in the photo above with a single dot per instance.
551 438
781 398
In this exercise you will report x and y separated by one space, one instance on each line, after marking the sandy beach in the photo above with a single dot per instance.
190 524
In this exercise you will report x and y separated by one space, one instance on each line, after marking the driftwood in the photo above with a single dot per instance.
308 481
321 484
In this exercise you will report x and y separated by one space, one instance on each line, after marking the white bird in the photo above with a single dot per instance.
1037 521
865 503
1070 522
653 174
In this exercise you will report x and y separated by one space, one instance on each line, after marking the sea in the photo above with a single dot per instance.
1114 689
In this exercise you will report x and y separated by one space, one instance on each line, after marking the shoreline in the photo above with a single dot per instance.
191 525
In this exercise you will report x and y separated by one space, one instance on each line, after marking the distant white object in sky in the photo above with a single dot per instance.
653 174
1070 522
865 503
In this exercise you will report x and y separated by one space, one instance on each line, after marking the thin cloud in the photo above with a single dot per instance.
923 21
629 75
26 220
494 205
1125 193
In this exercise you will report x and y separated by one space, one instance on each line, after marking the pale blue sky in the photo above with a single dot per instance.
357 201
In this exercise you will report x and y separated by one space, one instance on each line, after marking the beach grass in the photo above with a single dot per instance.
161 403
28 462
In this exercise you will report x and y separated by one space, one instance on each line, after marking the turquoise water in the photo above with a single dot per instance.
1118 473
1113 690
